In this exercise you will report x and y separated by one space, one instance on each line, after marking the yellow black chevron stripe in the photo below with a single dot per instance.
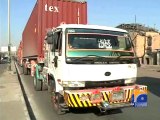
128 95
73 99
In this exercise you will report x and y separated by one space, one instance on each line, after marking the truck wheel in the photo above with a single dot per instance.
37 84
25 71
44 86
28 71
57 101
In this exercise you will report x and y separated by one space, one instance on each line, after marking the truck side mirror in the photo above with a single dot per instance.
128 44
50 40
54 41
49 37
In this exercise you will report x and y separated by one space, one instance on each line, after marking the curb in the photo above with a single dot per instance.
22 95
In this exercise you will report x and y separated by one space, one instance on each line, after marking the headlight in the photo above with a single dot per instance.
130 80
73 84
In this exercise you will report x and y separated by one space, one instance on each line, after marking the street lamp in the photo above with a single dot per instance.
9 41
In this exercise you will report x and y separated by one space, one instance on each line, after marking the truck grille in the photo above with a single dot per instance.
91 84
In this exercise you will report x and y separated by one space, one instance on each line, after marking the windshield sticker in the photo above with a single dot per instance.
103 43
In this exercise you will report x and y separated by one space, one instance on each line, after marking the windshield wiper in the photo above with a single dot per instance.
117 58
90 56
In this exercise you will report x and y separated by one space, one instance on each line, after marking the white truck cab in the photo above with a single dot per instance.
88 65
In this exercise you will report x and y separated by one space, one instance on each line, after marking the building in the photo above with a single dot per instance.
146 41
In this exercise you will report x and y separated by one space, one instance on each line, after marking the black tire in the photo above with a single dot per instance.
28 71
44 86
25 71
37 84
57 100
23 68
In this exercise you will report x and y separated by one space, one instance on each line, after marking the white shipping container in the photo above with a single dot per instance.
5 49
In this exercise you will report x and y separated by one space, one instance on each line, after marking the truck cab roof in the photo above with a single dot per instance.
64 26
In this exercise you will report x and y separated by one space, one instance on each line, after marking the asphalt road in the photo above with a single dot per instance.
3 68
42 108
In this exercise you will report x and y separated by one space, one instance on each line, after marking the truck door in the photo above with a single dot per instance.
57 49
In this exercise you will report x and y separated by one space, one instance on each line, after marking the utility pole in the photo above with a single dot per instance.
9 40
135 29
135 22
154 26
135 19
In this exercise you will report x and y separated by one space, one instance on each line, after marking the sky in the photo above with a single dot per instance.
100 12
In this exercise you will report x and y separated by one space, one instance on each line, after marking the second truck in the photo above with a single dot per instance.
81 65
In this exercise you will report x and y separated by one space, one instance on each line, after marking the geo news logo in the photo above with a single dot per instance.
139 100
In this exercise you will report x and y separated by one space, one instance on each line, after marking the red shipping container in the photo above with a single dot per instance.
19 52
48 14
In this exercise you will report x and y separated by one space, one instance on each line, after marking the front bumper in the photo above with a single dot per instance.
83 98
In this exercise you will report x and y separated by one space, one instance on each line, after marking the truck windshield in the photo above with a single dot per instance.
86 42
97 41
